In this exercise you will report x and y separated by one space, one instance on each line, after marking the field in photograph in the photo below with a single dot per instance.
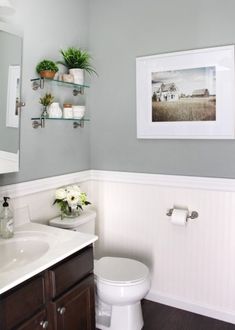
186 109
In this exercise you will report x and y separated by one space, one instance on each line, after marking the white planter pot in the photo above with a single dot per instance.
78 111
78 76
55 110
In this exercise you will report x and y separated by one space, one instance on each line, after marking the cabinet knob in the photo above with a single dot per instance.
61 310
44 324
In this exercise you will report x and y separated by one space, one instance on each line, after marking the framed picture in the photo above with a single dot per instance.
13 95
186 95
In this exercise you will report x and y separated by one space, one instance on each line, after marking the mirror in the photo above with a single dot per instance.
10 80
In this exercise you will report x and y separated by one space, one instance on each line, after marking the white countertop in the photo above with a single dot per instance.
62 242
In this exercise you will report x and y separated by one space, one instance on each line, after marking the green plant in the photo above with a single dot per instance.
47 99
46 65
76 58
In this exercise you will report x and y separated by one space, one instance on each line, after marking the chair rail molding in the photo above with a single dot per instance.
177 181
174 181
36 186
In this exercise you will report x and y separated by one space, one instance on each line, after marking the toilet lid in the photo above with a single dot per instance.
121 270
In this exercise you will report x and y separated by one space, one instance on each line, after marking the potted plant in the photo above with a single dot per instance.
77 61
45 101
47 69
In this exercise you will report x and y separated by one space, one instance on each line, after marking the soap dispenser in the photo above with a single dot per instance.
6 220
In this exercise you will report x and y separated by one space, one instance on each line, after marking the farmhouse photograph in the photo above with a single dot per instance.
184 95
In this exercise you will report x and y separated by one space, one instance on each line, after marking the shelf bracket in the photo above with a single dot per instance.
77 91
38 83
39 123
77 124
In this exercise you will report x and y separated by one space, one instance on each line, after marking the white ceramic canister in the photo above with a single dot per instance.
55 110
78 111
78 76
67 111
68 78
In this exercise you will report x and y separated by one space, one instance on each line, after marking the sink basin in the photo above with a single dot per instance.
22 249
34 248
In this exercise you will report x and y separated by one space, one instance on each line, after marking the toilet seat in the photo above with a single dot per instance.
120 271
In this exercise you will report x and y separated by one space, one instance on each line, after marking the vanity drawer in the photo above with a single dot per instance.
22 303
70 271
36 322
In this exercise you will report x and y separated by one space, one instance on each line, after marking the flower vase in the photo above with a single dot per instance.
70 213
44 112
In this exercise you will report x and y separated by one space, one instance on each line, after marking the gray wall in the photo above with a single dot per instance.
57 149
10 55
119 32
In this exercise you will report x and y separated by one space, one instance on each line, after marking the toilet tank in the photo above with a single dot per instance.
84 223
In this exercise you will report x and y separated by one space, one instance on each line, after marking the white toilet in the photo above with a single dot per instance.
121 283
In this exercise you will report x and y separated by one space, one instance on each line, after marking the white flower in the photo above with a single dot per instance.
76 188
73 188
68 188
73 198
60 194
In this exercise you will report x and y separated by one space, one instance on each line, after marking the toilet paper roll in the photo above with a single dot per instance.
179 217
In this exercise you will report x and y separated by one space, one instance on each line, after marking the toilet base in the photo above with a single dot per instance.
122 317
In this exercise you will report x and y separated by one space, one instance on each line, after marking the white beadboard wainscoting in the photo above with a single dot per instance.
191 267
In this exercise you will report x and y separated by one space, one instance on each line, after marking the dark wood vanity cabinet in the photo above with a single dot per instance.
60 298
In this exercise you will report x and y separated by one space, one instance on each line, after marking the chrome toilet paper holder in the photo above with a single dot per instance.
193 215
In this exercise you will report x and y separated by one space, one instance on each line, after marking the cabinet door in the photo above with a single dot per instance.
75 310
38 322
22 303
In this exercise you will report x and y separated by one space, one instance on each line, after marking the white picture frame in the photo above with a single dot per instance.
13 96
151 122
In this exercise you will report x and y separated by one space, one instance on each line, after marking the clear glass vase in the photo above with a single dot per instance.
70 212
44 112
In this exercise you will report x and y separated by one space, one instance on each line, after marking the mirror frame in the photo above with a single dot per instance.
9 167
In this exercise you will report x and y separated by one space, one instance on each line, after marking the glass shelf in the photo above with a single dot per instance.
40 121
60 82
69 119
39 83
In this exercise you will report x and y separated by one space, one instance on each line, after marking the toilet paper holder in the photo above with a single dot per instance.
193 215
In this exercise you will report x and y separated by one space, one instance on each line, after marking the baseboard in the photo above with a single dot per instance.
191 307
